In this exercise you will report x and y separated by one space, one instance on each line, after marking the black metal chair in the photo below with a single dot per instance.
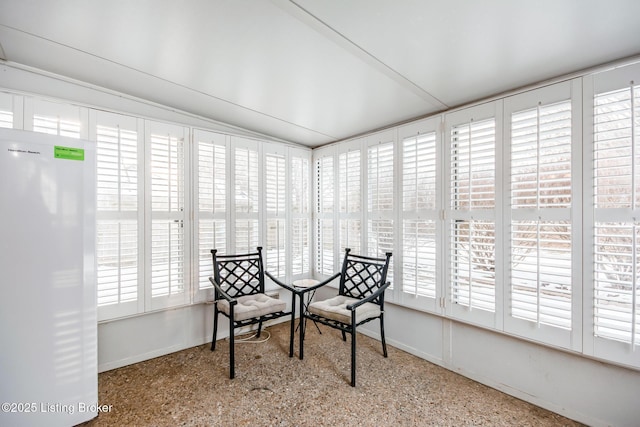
239 283
360 300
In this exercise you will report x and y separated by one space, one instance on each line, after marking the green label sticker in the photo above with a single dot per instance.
68 153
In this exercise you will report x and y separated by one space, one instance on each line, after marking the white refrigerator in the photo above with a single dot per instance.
48 317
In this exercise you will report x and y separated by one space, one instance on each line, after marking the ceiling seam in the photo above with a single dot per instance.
361 52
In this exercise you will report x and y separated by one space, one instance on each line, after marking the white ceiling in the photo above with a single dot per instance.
316 71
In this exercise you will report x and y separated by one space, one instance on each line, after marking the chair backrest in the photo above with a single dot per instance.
361 275
239 274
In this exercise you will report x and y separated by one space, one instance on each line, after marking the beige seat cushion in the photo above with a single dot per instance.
336 308
250 306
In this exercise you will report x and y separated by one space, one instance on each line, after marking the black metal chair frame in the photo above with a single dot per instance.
362 278
236 276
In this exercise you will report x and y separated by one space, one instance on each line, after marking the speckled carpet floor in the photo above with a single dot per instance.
192 388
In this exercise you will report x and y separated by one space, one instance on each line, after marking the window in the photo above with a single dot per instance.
325 190
246 195
276 201
211 151
56 118
541 190
8 109
350 196
380 200
471 213
118 214
300 213
614 107
420 213
167 185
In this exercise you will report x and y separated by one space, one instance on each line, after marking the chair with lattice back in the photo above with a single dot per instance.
239 284
360 299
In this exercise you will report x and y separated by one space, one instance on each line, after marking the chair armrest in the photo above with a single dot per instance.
302 291
370 298
279 283
232 301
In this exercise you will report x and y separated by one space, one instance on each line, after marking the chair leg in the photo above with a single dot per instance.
344 336
353 356
384 344
259 328
292 324
232 333
353 348
215 328
302 319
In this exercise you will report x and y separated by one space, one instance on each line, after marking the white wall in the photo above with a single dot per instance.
589 391
572 385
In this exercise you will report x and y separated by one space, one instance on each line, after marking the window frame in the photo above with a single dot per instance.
595 346
205 293
401 296
170 216
478 113
97 118
563 338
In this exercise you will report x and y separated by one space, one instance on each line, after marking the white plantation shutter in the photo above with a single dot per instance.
117 193
211 155
380 200
55 118
6 110
118 214
616 246
117 262
246 196
168 198
350 200
541 200
300 214
420 212
472 244
324 255
419 257
275 200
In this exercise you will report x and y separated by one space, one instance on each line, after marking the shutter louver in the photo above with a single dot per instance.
473 264
541 255
212 199
167 224
617 197
349 190
56 126
380 191
6 110
419 173
472 245
117 250
419 201
300 212
246 181
167 260
246 199
117 261
275 194
324 210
